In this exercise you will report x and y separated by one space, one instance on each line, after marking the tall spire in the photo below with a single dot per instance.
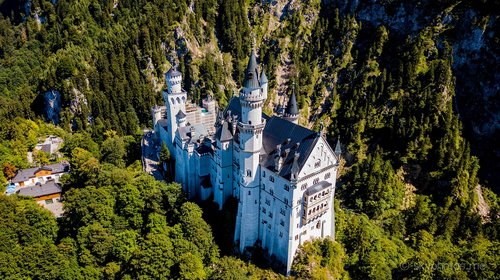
338 148
263 77
251 75
291 110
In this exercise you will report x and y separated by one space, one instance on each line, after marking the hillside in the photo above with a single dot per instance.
410 87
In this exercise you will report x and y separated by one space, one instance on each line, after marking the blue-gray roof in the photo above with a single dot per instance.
291 108
172 72
25 174
263 77
223 132
291 137
180 115
251 74
48 188
279 131
317 188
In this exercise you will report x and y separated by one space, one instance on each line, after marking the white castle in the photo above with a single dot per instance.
282 174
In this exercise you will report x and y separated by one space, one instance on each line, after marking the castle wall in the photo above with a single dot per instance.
275 214
223 172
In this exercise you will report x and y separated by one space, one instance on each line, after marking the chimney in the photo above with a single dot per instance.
295 167
277 158
233 125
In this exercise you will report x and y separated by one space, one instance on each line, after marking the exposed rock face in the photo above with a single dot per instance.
78 100
472 32
52 105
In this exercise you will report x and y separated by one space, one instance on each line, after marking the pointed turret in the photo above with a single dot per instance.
263 83
181 118
263 77
251 74
292 110
338 148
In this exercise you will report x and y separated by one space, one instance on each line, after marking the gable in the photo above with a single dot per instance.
320 157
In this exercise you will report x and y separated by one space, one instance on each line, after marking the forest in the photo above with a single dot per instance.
396 81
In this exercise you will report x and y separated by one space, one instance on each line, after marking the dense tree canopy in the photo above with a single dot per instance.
411 194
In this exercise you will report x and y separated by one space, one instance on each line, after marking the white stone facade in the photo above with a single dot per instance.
282 174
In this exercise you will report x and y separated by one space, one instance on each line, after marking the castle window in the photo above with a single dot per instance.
287 188
271 178
264 210
264 174
317 164
281 234
271 191
318 224
327 175
270 215
303 187
282 211
269 226
263 186
286 201
249 192
268 202
298 201
316 181
282 223
296 237
249 173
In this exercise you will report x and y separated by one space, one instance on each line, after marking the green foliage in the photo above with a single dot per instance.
373 187
320 259
406 202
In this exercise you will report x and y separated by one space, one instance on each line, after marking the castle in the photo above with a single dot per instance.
282 174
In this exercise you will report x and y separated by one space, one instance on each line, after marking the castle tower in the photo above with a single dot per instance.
251 126
292 111
181 119
157 114
263 83
175 99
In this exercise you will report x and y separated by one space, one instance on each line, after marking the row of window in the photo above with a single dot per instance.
271 191
303 187
269 226
319 195
318 226
268 202
282 211
271 178
317 208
